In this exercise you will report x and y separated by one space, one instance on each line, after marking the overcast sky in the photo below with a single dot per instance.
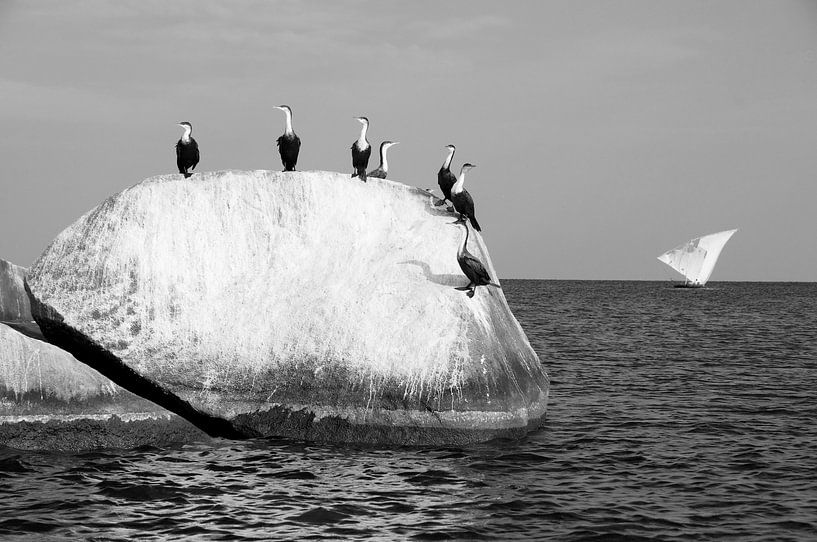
604 132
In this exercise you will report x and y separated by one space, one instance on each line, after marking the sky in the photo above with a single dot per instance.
604 133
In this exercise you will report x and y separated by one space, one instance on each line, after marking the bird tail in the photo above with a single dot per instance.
474 223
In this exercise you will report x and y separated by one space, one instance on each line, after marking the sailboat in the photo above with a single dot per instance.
696 259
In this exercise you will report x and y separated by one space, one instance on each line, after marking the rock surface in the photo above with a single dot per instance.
51 401
307 305
14 304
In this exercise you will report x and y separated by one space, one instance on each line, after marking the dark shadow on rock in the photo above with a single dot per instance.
446 279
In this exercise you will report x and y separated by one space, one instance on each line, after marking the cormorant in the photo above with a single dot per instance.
187 151
361 151
472 267
445 178
383 169
289 144
462 200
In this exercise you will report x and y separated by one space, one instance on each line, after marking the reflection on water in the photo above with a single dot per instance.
675 415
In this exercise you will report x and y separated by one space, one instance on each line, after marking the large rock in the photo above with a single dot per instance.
14 304
308 305
51 401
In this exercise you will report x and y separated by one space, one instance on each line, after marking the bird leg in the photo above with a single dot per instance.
472 292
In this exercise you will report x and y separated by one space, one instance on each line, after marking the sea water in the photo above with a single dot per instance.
675 414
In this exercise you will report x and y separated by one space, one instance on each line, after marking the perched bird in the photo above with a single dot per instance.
472 267
445 178
361 151
187 151
383 169
289 144
462 200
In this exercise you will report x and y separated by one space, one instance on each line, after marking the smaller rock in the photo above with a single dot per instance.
51 401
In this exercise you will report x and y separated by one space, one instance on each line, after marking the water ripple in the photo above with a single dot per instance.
674 416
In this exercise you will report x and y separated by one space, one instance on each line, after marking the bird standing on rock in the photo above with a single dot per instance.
383 169
472 267
187 151
445 178
289 144
361 151
462 200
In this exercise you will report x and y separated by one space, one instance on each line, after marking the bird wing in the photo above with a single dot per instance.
179 159
360 159
377 173
446 180
463 203
197 156
469 203
481 275
294 138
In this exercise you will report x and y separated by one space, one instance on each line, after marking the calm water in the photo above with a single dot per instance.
675 415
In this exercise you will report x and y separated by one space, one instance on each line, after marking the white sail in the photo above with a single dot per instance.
696 259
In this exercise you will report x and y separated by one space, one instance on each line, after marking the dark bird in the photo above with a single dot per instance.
462 200
187 151
289 144
361 151
383 169
472 267
445 178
